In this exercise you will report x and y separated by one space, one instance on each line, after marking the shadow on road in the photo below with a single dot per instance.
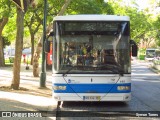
93 104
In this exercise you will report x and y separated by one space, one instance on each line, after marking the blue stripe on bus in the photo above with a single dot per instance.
92 88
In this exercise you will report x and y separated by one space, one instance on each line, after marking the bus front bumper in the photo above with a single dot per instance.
92 97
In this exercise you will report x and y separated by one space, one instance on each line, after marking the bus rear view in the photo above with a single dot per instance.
91 58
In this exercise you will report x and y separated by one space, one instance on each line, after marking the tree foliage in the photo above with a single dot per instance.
5 8
4 15
143 25
141 21
6 42
89 7
156 25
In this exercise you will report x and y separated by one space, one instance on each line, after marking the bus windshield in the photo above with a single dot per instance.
150 53
92 47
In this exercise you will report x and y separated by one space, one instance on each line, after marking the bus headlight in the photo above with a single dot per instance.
123 88
59 87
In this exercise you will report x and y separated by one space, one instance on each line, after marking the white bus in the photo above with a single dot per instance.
91 58
150 54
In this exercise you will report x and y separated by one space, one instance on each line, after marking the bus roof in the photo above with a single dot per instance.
91 18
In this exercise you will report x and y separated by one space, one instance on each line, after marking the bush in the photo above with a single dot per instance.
141 57
156 62
11 59
141 54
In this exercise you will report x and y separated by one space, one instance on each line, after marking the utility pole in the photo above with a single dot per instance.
43 69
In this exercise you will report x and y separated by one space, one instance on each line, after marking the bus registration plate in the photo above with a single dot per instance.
92 98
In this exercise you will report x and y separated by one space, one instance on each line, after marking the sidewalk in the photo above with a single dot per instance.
149 64
29 97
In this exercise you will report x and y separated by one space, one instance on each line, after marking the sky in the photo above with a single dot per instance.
146 4
141 3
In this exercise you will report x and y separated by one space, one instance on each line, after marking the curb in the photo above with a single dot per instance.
154 70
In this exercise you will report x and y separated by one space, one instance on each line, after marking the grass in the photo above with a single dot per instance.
11 61
141 57
156 62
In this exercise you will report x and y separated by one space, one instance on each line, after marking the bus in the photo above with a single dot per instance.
150 54
92 58
49 57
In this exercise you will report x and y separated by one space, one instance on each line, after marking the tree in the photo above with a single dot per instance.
33 20
3 22
5 41
89 7
5 4
157 30
141 23
18 45
9 30
18 49
39 46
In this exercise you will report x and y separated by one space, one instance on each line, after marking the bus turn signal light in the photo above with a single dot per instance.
123 88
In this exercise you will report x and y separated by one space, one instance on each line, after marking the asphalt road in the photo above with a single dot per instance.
146 86
145 98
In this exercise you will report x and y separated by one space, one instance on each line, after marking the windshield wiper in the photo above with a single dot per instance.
72 67
114 68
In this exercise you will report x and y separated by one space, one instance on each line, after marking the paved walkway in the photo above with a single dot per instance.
29 98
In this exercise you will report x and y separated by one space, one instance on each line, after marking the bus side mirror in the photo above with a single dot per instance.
134 48
47 42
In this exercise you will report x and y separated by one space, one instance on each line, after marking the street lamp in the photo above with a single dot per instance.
43 69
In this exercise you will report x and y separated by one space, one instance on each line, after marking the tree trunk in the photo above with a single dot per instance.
2 24
36 59
2 61
39 46
64 7
18 49
32 45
